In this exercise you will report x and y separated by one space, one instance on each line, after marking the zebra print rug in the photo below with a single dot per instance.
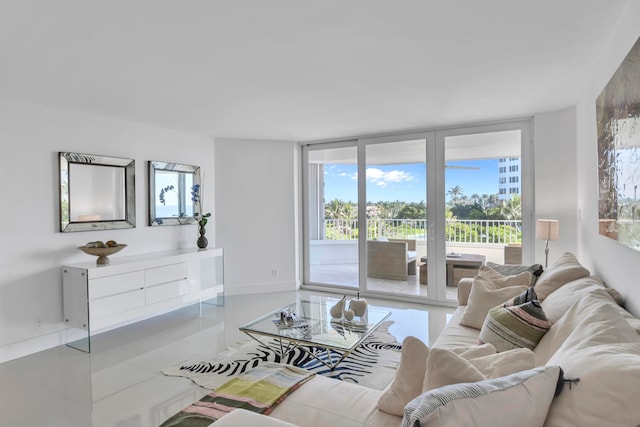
372 364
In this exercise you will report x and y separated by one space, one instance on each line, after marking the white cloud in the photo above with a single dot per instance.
382 179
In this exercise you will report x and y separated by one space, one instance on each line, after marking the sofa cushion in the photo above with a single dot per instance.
573 319
242 417
564 270
604 353
520 399
490 289
557 304
445 367
407 382
455 334
324 401
514 326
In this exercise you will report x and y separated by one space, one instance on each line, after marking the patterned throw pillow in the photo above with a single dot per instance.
521 399
515 324
527 296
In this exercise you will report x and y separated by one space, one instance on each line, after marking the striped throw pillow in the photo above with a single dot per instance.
521 399
519 323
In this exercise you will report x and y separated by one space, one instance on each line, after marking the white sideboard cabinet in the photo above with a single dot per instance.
129 289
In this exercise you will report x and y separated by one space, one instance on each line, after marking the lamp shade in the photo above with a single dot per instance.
548 229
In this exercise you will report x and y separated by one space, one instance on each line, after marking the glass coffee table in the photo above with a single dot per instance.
314 326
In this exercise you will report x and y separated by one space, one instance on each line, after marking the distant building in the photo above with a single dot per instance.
508 177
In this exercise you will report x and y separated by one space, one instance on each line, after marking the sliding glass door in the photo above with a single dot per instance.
408 216
331 215
396 216
483 200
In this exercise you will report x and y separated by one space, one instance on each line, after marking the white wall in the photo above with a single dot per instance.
618 265
555 179
256 214
33 250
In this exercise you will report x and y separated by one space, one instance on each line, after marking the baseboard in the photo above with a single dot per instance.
31 345
258 288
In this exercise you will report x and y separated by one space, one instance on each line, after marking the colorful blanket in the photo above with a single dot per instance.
259 390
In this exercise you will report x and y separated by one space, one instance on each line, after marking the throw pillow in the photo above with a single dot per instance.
498 279
520 399
564 270
445 367
511 269
505 363
474 351
515 326
409 377
488 293
527 296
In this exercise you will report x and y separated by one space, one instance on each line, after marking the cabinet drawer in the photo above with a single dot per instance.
167 291
116 304
116 284
165 274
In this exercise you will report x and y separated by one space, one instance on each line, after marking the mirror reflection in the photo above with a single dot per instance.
96 192
171 197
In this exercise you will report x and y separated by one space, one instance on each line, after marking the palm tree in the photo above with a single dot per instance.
512 209
333 209
455 193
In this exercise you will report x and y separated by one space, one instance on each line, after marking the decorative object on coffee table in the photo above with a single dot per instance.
359 306
338 309
102 250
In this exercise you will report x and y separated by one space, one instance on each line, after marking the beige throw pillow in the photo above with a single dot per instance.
474 351
444 367
564 270
407 383
487 293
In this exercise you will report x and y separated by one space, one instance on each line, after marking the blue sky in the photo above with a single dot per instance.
407 182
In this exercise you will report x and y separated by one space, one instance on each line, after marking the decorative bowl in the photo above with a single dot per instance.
102 253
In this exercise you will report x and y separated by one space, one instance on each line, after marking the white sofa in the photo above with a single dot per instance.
591 338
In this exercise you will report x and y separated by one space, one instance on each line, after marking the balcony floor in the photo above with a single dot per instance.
347 275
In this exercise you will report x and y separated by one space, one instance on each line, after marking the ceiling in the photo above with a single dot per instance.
301 70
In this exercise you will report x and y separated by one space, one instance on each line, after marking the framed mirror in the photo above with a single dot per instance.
173 189
96 192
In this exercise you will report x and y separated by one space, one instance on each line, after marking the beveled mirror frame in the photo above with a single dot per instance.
127 200
183 193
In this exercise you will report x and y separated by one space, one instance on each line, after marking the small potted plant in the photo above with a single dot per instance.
202 218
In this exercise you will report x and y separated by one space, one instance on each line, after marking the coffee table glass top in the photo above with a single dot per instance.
313 324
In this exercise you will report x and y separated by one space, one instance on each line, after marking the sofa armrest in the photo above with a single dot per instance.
464 289
242 417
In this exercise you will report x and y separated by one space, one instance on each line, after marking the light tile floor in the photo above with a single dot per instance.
120 384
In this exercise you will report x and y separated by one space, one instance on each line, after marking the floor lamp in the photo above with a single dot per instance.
547 229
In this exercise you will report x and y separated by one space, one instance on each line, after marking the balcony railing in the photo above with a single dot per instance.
456 231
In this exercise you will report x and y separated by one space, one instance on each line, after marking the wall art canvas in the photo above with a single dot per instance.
618 120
